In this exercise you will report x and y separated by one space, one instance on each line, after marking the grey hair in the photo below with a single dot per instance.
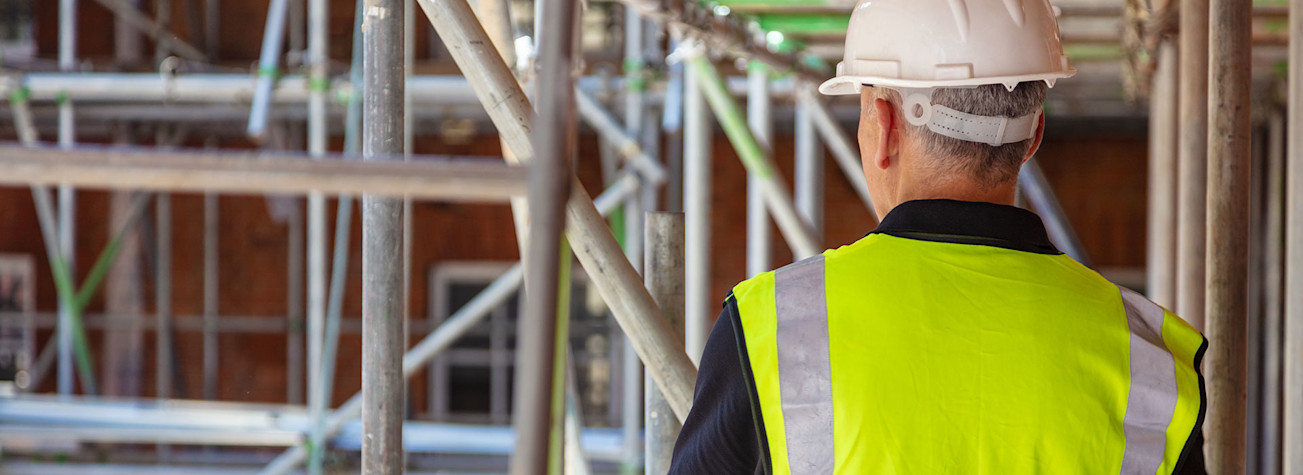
988 165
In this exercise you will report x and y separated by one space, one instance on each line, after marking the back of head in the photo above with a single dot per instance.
988 165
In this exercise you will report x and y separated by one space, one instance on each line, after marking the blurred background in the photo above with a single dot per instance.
190 316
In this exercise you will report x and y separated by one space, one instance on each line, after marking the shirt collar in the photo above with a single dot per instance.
968 222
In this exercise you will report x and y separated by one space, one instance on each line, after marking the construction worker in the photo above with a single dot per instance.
954 338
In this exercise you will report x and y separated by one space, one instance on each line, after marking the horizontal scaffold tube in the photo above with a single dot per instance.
230 88
432 178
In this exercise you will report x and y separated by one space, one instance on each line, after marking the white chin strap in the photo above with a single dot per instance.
994 131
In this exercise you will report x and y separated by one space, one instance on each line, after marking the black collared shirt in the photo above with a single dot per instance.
725 432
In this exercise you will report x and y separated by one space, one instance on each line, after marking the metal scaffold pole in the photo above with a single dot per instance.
1274 277
664 277
809 174
1292 457
428 177
163 296
1161 253
211 289
1192 156
212 26
1228 232
318 138
294 343
697 134
672 129
126 40
760 241
163 335
1037 189
631 379
67 196
382 306
409 137
549 186
163 18
495 16
268 71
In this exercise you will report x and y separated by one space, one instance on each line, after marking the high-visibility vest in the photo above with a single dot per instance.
905 356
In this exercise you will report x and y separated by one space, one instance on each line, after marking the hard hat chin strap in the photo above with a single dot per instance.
995 131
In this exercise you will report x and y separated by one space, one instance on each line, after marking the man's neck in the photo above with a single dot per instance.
952 188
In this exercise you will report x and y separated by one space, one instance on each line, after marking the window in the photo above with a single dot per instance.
16 30
17 332
471 382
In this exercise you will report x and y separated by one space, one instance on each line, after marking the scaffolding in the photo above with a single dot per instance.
654 279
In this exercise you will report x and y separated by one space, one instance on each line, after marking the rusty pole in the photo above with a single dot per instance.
1229 167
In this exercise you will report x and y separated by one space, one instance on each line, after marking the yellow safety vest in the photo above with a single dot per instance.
906 356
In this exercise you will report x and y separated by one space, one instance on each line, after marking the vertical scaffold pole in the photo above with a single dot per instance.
809 170
1229 165
1274 277
631 388
672 127
294 364
1161 256
842 148
1292 444
549 187
212 27
382 306
663 273
212 288
760 241
697 133
318 138
67 196
163 296
1192 156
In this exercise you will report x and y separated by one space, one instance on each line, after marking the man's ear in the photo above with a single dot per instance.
888 133
1036 141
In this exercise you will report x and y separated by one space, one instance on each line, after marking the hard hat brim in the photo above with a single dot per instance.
849 84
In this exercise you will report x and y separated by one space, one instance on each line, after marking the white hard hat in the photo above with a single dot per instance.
949 43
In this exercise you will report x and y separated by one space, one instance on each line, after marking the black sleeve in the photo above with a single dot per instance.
723 433
1191 462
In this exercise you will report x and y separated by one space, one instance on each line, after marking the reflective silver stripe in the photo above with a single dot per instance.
804 368
1151 400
